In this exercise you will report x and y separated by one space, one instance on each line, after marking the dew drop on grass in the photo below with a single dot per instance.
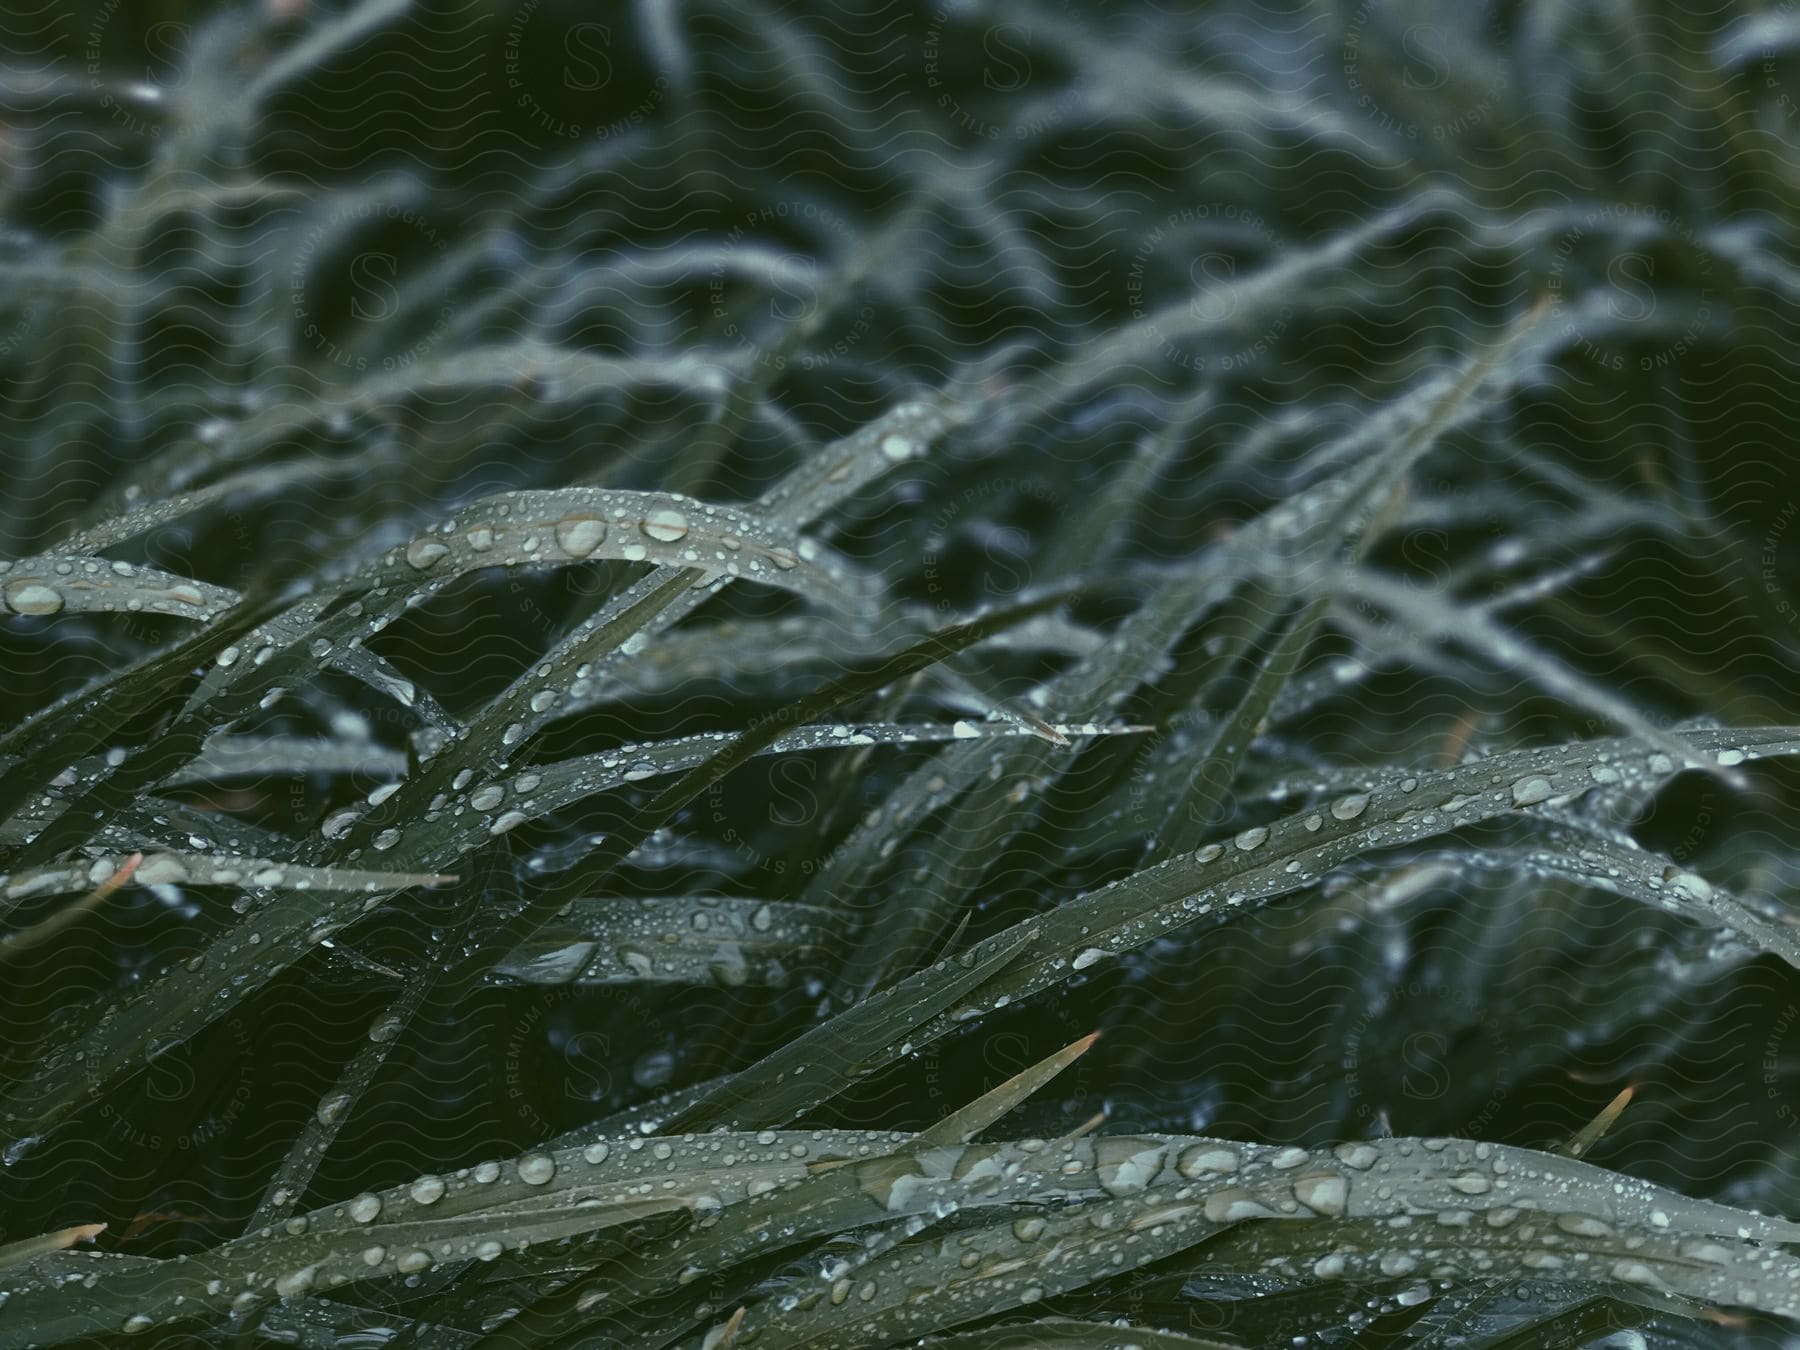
365 1207
536 1168
1229 1206
427 1190
579 536
1206 1159
1252 838
666 525
1323 1193
1349 808
487 798
296 1282
425 551
33 597
1531 790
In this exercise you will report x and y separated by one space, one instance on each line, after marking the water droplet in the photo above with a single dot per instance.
296 1282
579 536
1205 1159
1088 958
481 538
386 839
425 551
1690 884
414 1261
486 1172
1582 1225
595 1152
488 1249
487 798
1349 808
33 597
1251 838
536 1168
1529 791
666 525
1229 1206
137 1322
1323 1193
427 1190
365 1207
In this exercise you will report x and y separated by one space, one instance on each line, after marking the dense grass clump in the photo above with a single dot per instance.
726 674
